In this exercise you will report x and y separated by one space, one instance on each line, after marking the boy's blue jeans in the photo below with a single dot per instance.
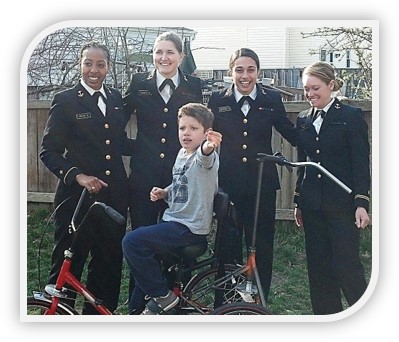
140 248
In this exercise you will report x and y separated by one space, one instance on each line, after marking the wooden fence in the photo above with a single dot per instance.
41 183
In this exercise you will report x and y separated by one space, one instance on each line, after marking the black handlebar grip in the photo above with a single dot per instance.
275 159
112 213
117 217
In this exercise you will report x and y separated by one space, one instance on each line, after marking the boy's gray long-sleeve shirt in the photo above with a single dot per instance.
194 186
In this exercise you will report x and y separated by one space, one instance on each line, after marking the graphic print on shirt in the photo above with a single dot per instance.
179 191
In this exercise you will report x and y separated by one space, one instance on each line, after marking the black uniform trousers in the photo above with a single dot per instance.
332 251
101 237
245 207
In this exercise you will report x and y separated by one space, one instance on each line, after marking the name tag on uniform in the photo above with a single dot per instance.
82 116
224 109
144 92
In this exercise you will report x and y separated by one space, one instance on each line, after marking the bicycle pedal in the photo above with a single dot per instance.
246 297
247 292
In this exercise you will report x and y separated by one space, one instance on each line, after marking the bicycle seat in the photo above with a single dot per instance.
192 251
220 208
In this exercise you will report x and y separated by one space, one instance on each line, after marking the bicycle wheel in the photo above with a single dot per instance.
40 307
208 291
241 308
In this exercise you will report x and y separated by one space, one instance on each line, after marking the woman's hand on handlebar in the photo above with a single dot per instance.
91 183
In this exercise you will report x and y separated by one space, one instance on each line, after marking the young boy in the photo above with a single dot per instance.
188 218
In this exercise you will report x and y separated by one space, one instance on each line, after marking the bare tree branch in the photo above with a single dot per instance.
54 63
358 40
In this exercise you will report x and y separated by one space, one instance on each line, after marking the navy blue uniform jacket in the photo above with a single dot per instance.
245 136
342 147
157 144
78 138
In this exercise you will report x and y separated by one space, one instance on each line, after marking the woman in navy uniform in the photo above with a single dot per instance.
157 144
245 114
83 143
334 135
155 98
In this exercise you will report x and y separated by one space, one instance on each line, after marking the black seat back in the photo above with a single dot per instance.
220 205
228 244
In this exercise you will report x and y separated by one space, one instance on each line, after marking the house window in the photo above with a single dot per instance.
323 55
331 57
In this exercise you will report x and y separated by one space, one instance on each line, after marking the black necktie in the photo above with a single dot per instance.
245 98
96 96
171 84
320 112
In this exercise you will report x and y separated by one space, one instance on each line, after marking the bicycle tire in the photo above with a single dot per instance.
241 308
201 290
40 307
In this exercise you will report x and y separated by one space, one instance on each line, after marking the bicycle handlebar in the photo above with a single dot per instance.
111 212
279 159
275 158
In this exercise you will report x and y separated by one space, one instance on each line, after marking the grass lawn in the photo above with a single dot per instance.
289 293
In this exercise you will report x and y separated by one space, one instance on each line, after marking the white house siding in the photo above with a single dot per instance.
298 50
213 46
270 45
277 46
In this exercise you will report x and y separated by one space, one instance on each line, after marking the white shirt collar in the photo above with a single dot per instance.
90 90
238 95
327 107
175 79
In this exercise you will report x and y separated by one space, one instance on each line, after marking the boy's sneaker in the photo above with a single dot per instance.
159 305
